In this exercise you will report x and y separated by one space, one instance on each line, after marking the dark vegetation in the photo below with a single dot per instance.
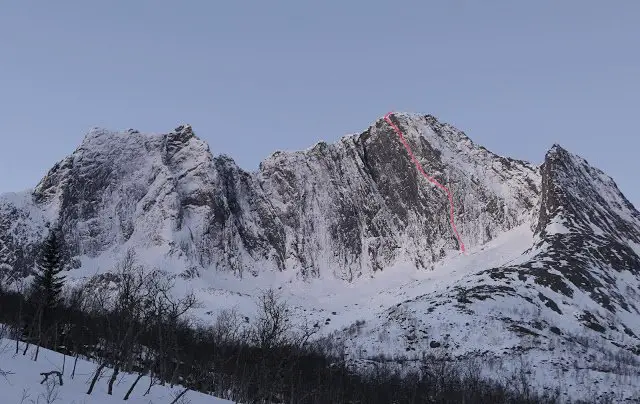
127 321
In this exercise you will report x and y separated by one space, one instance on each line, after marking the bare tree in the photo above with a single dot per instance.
25 395
273 326
96 376
228 327
179 398
163 319
45 376
140 321
51 391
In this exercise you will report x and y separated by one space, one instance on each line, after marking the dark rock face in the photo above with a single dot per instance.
588 233
584 196
240 218
12 258
585 233
362 205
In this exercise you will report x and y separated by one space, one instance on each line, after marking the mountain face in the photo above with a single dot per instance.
553 250
569 303
342 210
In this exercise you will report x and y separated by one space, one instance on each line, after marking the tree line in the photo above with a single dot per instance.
128 320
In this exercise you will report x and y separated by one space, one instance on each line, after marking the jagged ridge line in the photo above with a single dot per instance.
428 177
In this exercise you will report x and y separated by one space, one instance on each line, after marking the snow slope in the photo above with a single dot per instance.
22 382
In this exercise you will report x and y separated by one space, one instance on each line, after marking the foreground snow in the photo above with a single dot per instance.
21 383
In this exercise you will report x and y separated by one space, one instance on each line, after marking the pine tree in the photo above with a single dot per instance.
46 295
48 280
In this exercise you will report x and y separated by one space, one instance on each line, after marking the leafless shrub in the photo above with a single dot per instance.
51 392
228 326
25 395
273 326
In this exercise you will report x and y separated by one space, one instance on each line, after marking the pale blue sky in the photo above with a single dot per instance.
255 77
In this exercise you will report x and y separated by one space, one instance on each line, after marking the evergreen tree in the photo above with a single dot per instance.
46 296
48 280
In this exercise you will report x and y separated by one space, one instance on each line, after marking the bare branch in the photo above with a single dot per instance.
45 376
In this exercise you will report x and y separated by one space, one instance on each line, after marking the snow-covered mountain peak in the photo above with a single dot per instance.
184 128
555 149
104 141
584 198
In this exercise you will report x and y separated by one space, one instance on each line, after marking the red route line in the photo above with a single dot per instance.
425 175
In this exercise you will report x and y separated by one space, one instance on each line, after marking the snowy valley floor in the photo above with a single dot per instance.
319 299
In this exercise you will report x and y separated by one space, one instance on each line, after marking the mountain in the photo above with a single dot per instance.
550 275
568 304
342 210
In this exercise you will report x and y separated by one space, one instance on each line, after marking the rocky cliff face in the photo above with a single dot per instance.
360 205
343 210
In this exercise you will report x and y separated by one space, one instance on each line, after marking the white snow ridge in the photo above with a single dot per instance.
550 283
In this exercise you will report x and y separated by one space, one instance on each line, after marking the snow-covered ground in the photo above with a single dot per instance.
21 382
317 299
